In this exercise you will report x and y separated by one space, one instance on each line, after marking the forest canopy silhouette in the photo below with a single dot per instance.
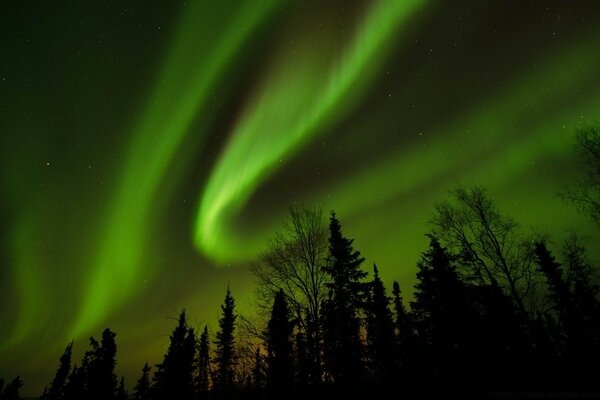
496 309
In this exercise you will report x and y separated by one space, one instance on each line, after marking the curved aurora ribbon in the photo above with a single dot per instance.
202 49
297 101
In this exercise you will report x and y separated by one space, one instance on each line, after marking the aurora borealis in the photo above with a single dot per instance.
149 151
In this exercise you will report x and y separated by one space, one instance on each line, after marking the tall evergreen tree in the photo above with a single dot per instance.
121 391
225 343
57 387
75 389
579 273
258 373
11 391
202 378
559 291
141 391
173 377
380 328
444 316
101 378
280 368
342 343
402 323
581 347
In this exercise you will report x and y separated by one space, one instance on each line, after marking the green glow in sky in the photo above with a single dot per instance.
301 94
148 153
209 45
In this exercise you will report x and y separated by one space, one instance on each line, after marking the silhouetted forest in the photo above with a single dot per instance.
496 310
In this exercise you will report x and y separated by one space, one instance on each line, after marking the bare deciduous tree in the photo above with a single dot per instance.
585 193
489 242
294 263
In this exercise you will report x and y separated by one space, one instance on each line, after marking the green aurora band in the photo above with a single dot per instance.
180 94
313 119
300 97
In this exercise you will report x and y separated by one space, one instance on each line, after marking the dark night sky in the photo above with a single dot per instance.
149 149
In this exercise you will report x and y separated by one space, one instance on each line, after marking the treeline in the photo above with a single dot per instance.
495 309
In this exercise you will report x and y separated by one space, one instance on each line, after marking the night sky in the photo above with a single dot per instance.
148 151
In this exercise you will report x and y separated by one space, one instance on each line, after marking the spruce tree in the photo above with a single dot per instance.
581 281
558 287
141 390
580 339
257 373
444 317
225 343
11 391
380 332
121 391
173 377
57 387
75 389
280 368
342 343
101 379
202 378
402 323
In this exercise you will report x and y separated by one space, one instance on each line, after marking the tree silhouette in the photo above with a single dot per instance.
302 364
408 363
580 275
258 374
11 391
559 291
295 263
173 377
101 380
578 330
225 343
75 389
402 321
442 310
280 368
57 387
489 244
585 193
380 333
342 344
121 391
141 391
202 378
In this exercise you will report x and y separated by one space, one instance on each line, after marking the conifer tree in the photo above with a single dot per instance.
581 280
173 377
57 387
380 328
444 316
121 391
141 390
257 373
225 343
75 389
11 391
101 380
403 326
202 378
342 343
280 368
558 287
581 347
